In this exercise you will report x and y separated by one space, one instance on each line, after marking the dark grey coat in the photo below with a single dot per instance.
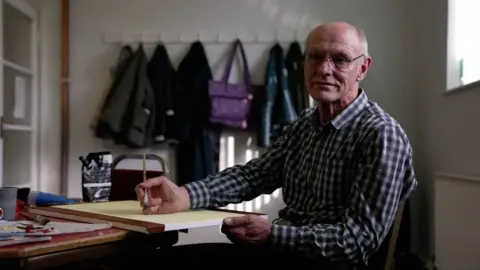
129 112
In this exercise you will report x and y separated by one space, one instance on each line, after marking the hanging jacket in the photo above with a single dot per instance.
162 77
194 154
125 55
129 112
296 80
278 110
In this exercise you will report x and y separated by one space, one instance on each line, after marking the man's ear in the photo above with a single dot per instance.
364 68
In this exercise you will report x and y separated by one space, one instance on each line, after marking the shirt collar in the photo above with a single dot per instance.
349 113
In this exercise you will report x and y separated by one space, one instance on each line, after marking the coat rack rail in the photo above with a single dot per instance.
204 37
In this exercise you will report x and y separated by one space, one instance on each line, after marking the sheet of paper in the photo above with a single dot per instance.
19 106
132 210
12 228
75 227
127 214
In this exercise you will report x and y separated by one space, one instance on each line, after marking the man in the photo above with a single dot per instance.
344 168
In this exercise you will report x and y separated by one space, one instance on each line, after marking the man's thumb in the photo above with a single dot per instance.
236 221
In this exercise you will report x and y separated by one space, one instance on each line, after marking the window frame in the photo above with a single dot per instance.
453 79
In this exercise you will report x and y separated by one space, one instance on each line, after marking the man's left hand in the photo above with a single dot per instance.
248 229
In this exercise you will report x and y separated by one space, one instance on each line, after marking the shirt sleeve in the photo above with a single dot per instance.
382 179
240 183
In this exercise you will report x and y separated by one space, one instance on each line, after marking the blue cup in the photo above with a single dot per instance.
8 203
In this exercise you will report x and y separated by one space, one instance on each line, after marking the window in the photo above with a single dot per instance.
239 148
463 61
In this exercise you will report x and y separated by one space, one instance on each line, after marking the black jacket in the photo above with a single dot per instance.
194 103
163 79
195 154
278 110
296 80
129 111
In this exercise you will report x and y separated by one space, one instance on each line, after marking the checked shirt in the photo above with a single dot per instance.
342 182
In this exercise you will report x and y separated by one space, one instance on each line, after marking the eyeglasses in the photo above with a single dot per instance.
339 62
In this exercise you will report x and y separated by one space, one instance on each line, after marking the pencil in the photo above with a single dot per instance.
145 195
37 218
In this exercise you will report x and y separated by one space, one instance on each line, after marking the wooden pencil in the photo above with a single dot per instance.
145 195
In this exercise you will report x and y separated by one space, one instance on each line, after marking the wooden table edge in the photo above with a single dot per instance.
43 248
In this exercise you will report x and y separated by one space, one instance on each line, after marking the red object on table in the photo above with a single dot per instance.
20 206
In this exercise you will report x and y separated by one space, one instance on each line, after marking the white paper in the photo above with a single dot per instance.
75 227
9 228
19 98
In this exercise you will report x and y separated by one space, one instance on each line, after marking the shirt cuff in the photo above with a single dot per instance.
199 194
284 237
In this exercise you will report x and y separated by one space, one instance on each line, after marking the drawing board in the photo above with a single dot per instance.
128 215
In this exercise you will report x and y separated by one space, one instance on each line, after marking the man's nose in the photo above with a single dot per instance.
325 66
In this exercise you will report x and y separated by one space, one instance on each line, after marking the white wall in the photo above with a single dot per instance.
450 133
394 80
457 222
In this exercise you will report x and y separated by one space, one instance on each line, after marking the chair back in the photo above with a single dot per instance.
384 257
127 173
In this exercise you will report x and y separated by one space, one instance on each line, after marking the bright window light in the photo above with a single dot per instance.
229 157
466 19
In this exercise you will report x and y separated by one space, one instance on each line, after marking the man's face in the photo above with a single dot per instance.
334 63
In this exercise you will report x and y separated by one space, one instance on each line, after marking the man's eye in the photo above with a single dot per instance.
340 60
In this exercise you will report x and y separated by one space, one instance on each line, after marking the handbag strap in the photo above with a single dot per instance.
228 67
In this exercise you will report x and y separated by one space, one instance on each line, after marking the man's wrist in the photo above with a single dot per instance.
199 194
186 198
283 237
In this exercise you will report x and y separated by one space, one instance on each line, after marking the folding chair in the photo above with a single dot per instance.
384 257
127 173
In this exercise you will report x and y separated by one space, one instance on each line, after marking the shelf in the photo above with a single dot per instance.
17 128
18 68
17 35
19 94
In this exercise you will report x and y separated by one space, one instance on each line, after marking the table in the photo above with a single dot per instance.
81 247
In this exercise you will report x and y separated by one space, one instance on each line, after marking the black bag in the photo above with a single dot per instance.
96 176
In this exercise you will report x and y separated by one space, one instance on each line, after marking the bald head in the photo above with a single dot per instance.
341 28
336 60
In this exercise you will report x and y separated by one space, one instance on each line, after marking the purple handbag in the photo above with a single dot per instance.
231 103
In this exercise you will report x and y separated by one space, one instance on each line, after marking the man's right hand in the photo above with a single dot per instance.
164 196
